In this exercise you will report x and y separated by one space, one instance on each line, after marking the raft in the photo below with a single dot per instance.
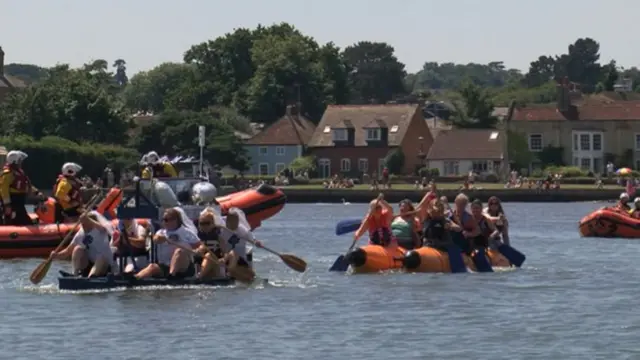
375 258
609 223
429 260
39 240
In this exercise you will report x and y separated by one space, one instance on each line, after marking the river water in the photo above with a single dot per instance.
574 299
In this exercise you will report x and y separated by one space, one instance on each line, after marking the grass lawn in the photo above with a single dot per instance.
453 186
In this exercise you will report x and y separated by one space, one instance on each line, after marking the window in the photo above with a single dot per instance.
373 134
451 168
596 142
326 129
345 165
325 168
585 163
494 135
535 142
280 150
637 142
280 168
585 142
339 134
263 169
363 165
479 167
394 129
264 150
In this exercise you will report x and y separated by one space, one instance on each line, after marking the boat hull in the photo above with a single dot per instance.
609 223
67 281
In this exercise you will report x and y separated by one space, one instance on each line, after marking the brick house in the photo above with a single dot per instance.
355 139
455 152
7 83
589 129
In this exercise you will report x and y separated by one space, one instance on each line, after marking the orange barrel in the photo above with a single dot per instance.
375 258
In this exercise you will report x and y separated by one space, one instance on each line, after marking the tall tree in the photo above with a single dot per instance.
121 72
477 111
376 75
541 71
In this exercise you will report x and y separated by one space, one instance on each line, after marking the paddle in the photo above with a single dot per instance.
480 260
290 260
41 270
514 256
239 273
347 226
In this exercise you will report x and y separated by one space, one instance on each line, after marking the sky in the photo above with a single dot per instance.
146 33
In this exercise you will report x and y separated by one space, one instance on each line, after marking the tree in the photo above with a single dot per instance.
541 71
394 161
71 103
376 75
610 76
121 72
452 76
478 108
518 148
176 133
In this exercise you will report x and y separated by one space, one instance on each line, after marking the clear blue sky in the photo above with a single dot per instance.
148 32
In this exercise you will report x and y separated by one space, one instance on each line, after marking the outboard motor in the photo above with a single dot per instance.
204 193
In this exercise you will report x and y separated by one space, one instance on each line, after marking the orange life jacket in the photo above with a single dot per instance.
21 182
380 227
75 194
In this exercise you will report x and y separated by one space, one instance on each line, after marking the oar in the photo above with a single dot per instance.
290 260
341 263
514 256
239 273
41 270
348 226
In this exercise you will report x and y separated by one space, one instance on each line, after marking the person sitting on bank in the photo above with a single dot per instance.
173 261
67 192
157 168
15 186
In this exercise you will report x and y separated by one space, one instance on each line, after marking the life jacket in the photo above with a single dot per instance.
159 171
21 182
379 231
461 220
211 240
482 240
75 193
434 231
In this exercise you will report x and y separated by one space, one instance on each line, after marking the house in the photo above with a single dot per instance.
355 139
7 83
457 151
272 149
590 131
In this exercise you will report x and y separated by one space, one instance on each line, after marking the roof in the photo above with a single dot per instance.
467 144
11 82
590 111
436 125
288 130
359 117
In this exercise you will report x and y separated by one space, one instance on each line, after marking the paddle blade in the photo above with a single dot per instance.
40 272
514 256
340 264
294 262
347 226
481 262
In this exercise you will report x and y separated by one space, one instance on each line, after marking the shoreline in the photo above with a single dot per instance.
307 196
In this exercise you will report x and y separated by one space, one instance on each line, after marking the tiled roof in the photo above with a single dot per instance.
289 130
467 144
396 117
619 110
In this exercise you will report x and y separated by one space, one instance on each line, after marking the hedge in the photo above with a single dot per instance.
47 155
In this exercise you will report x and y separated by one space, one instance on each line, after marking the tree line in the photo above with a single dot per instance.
253 74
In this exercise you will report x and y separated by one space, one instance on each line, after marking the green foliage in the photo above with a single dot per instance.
176 133
47 155
302 164
477 111
28 73
394 161
551 156
519 154
566 171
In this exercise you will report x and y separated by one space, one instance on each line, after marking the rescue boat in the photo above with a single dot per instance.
34 241
611 223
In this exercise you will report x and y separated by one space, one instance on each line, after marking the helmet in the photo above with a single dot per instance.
144 160
624 195
16 156
71 169
153 158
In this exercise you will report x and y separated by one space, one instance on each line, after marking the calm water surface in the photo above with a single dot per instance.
574 299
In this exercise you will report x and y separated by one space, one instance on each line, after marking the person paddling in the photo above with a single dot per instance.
90 251
213 248
378 223
466 228
234 235
495 213
437 234
480 242
405 227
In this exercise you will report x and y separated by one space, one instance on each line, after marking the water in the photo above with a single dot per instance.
574 299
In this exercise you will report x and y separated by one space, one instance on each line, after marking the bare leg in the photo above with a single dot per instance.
179 262
79 259
152 270
210 267
100 268
245 273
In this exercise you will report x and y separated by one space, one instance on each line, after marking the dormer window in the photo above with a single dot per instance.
339 134
373 134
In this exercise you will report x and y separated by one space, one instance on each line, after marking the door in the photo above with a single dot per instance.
324 167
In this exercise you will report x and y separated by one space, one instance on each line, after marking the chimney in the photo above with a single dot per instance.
562 95
1 61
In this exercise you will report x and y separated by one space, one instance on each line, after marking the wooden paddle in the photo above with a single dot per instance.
290 260
240 273
41 270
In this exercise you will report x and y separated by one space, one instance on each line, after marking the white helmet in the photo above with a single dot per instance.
153 158
16 156
144 160
71 169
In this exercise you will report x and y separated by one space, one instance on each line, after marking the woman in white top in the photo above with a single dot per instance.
173 261
90 251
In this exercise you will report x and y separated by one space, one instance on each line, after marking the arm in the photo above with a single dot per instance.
362 229
139 241
5 183
66 252
475 229
494 230
385 205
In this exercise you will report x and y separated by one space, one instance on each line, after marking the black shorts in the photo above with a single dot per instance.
71 212
190 272
87 270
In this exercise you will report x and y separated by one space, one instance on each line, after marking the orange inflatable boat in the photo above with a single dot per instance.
608 222
430 260
375 258
258 204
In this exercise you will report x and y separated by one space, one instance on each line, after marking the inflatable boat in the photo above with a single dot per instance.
39 240
611 223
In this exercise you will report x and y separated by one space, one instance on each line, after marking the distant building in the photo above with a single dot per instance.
7 83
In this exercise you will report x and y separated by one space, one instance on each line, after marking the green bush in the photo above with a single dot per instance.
47 156
566 171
